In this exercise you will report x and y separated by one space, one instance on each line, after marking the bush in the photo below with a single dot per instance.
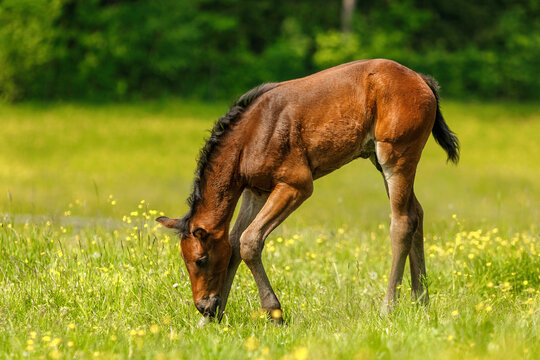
116 49
26 44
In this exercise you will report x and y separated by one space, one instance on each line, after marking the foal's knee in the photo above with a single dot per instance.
235 257
412 222
406 224
250 247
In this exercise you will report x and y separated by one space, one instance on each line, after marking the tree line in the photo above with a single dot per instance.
117 49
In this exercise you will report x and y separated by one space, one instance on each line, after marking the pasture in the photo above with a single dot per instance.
86 273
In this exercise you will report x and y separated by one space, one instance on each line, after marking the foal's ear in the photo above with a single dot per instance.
167 222
200 234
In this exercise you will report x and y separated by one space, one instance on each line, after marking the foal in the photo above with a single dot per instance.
278 138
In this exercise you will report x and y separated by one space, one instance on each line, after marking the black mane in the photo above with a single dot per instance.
221 126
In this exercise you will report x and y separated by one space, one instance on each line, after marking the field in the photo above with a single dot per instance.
85 272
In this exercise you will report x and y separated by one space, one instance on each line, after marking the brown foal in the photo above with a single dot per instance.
278 138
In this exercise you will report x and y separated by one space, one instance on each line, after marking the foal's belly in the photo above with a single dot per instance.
337 144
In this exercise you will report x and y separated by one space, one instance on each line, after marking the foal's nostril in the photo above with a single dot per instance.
208 306
200 307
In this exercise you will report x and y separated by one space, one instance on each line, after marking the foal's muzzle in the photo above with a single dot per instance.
208 306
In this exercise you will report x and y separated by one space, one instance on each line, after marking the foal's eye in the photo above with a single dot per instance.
201 262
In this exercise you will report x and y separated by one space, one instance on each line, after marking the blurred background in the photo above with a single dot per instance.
216 49
107 102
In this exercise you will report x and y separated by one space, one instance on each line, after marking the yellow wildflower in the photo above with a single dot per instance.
154 329
276 314
55 342
301 353
55 354
252 343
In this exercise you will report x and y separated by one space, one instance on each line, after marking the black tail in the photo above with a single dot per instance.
442 134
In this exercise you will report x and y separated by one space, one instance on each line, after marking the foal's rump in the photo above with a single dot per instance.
406 109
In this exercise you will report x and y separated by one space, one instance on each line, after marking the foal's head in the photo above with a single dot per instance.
206 255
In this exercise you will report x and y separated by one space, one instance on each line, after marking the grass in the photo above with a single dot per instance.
85 273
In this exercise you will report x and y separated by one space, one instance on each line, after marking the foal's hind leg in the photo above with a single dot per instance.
251 205
399 171
283 200
416 254
416 258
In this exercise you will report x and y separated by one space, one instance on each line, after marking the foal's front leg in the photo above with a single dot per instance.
251 205
283 200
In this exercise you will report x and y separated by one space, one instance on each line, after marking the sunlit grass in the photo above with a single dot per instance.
86 273
96 293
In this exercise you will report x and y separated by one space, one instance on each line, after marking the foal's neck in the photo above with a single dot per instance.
221 188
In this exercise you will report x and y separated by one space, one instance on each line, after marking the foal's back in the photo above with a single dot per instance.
319 123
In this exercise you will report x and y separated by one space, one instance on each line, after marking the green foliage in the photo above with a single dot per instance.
114 49
469 55
26 33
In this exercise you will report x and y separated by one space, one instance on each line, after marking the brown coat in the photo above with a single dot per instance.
280 137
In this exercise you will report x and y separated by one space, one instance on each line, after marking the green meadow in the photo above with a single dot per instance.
85 272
